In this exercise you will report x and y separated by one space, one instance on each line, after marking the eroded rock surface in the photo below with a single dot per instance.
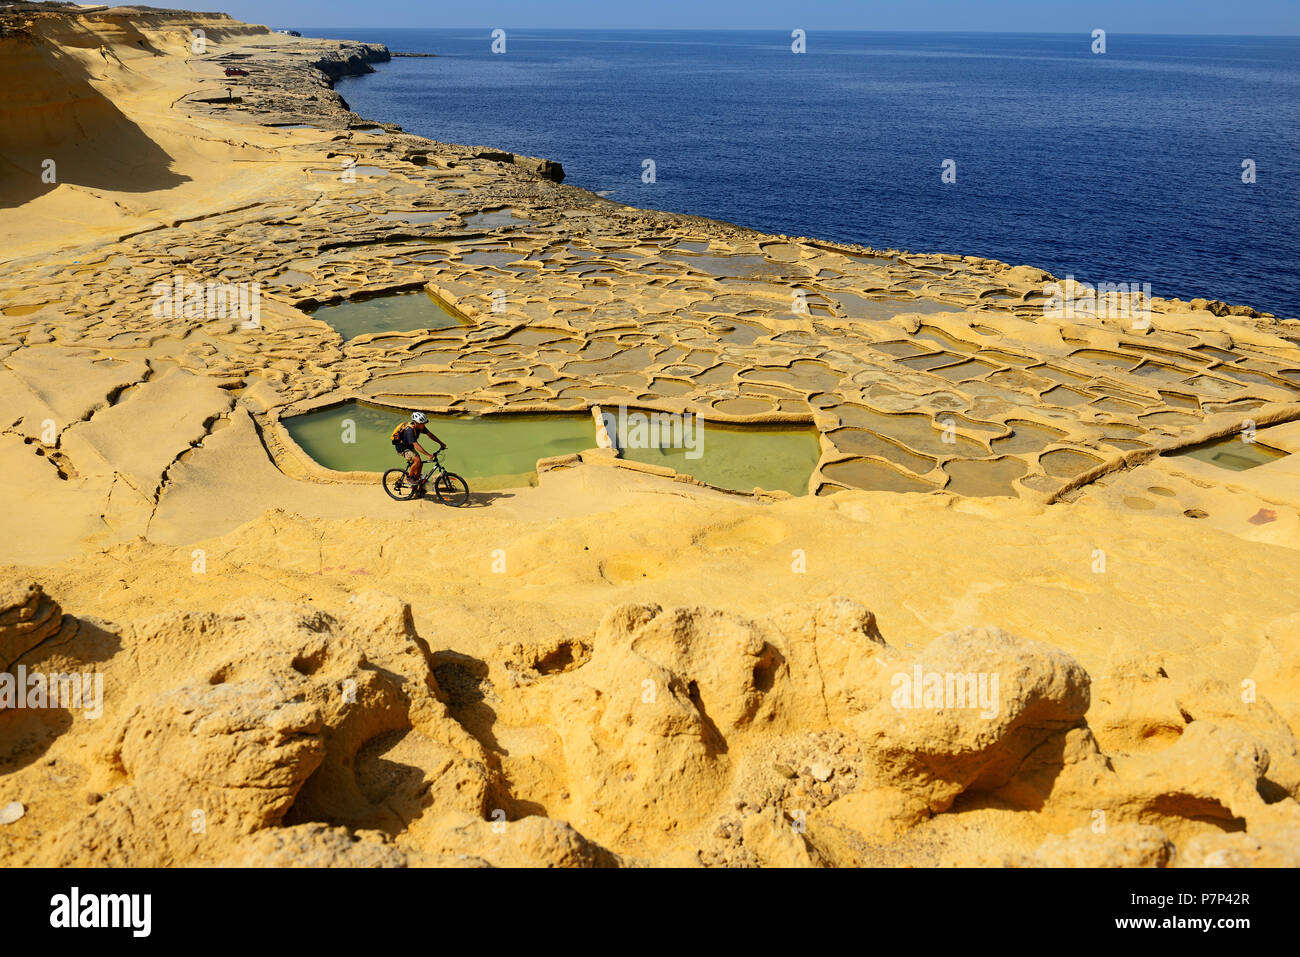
27 618
285 736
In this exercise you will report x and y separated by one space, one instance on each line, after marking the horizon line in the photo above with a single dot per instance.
1018 33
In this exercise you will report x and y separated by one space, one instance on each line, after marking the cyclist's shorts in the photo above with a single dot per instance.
410 455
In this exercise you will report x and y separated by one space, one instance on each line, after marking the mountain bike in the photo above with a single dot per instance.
450 488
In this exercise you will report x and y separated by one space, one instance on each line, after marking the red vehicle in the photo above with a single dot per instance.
235 71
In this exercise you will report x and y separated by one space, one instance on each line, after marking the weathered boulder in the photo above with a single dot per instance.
964 715
28 617
777 842
1124 845
287 718
529 842
204 765
1275 849
320 845
834 650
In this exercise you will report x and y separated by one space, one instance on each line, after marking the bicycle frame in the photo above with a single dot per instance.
435 468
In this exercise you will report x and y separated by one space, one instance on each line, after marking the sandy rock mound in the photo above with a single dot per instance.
530 842
320 845
28 617
965 715
1212 775
1278 849
1144 710
1125 845
835 648
1277 674
288 715
651 724
206 764
280 735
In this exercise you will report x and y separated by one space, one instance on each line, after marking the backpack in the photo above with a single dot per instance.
396 437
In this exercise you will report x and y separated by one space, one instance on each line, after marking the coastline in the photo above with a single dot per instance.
281 94
515 681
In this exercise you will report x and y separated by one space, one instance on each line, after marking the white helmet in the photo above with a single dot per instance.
419 418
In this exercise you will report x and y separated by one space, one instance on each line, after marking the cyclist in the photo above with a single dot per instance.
406 440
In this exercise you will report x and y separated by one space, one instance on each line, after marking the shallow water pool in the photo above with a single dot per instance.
416 217
1232 453
738 457
490 452
388 312
494 219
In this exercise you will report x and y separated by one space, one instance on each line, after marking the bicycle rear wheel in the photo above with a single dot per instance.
398 485
451 489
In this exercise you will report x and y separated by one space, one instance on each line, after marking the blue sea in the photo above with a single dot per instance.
1117 167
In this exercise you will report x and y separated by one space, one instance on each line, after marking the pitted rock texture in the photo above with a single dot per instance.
285 736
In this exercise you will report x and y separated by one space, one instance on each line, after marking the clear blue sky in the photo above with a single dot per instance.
1250 17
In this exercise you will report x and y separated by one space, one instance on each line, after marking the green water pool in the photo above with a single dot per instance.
740 458
387 312
1232 453
490 452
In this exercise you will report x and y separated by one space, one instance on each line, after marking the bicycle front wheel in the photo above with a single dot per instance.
398 485
451 489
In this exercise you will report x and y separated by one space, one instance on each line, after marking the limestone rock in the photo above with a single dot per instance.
1026 274
1125 845
530 842
1135 706
648 719
320 845
282 735
204 765
27 617
966 713
287 719
1207 699
1243 850
835 649
1277 673
776 842
1210 776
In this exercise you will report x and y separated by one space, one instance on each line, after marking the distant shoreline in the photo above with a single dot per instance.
785 30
